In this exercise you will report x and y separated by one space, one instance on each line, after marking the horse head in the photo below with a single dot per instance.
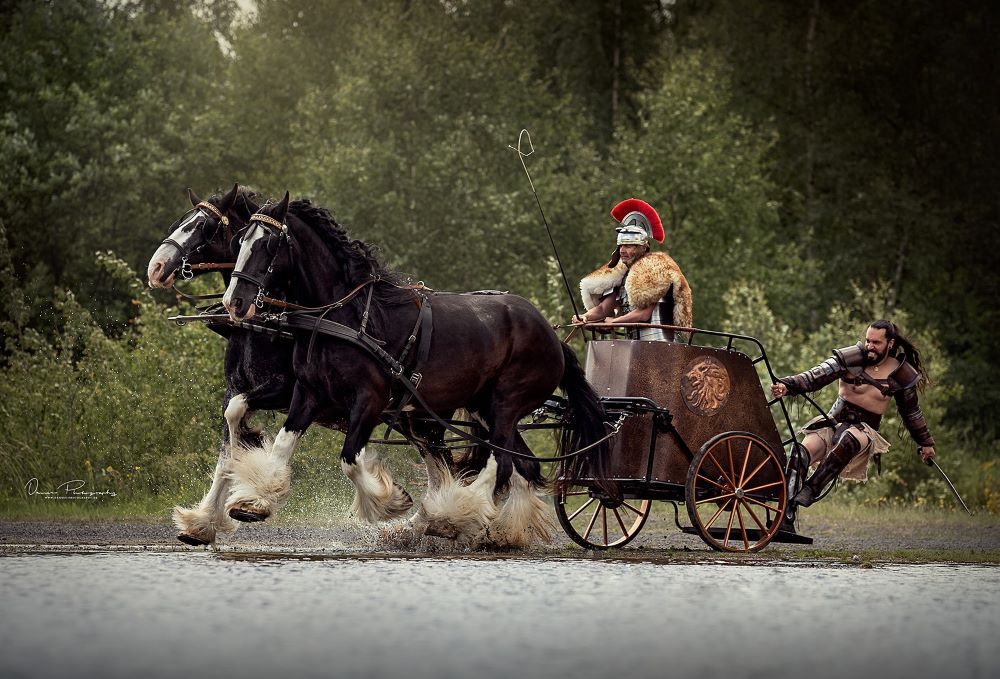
264 259
203 235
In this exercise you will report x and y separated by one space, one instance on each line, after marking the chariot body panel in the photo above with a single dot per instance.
694 426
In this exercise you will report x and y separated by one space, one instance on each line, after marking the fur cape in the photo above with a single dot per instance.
651 278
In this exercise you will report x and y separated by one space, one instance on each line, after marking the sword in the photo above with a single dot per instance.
933 463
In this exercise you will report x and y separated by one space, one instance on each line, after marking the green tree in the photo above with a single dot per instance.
98 102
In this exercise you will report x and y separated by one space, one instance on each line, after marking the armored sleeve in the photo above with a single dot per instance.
826 372
904 382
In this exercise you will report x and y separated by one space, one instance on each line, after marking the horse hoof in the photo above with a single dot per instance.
245 515
441 529
188 539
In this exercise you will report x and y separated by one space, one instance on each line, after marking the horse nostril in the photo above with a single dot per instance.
237 303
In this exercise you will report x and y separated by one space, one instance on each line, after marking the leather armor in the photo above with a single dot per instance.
847 364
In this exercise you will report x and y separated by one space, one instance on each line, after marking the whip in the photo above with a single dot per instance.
522 155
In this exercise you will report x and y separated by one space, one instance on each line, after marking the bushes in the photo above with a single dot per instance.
134 415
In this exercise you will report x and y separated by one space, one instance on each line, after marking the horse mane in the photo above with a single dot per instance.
358 261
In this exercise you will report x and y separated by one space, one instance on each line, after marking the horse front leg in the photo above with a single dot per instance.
376 496
200 525
261 476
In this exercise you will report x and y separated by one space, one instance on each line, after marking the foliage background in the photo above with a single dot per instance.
817 164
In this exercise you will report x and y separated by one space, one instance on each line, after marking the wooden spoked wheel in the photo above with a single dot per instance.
735 492
596 523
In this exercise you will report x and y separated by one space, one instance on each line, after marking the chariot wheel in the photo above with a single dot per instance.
735 492
596 523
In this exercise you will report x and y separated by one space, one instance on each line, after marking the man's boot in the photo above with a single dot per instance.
798 468
838 457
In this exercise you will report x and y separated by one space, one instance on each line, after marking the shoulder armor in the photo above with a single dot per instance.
852 356
903 377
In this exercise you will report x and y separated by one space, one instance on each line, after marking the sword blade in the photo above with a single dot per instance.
951 486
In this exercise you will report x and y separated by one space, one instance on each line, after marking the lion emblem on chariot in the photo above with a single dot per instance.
705 385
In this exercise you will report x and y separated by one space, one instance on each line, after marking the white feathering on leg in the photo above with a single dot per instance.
522 518
208 518
455 511
260 481
236 409
376 496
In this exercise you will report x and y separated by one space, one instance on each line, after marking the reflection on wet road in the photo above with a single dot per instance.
203 614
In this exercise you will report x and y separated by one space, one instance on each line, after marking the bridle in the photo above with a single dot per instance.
187 269
281 230
261 299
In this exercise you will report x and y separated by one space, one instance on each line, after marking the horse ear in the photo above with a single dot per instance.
229 199
615 258
282 208
193 197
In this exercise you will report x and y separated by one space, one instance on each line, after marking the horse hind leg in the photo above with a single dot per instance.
457 511
376 496
524 517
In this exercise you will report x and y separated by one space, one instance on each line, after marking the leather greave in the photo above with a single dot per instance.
846 448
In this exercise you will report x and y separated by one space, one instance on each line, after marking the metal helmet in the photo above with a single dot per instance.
639 222
635 231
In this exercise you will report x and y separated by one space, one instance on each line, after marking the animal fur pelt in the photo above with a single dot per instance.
650 279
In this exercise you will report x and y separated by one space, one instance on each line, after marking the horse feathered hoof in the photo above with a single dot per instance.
192 540
376 496
441 529
246 515
260 484
404 502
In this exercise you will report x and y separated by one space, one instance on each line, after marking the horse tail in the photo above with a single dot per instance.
584 426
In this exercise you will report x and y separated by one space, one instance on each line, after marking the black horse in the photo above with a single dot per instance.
258 368
493 355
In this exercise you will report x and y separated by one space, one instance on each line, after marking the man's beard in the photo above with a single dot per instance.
878 357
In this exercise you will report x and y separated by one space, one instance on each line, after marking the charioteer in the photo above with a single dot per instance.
885 365
637 286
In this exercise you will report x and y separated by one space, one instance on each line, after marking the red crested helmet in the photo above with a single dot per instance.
639 222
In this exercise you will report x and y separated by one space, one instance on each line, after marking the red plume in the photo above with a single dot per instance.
635 205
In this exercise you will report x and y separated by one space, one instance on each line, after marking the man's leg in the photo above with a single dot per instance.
846 446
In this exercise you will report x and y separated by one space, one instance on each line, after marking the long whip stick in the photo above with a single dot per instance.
522 155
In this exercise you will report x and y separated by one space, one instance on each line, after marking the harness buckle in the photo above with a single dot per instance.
259 299
415 379
187 273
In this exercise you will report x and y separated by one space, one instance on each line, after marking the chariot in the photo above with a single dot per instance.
694 426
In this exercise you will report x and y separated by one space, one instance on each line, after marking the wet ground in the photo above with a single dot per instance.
935 536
